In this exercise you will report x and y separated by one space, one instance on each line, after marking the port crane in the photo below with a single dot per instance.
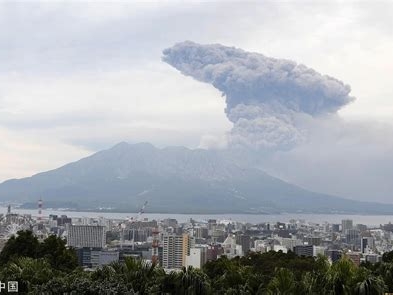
132 220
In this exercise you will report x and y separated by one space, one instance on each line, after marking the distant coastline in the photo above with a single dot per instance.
191 211
367 219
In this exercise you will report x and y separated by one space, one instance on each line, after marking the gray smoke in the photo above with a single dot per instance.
265 97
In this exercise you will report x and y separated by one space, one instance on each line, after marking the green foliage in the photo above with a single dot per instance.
53 249
387 257
189 281
28 272
283 282
25 244
50 268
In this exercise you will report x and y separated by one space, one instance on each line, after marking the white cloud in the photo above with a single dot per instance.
22 155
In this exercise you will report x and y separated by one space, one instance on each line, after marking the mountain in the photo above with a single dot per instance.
172 179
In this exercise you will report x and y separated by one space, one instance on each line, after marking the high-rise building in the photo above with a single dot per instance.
175 250
352 236
366 244
201 232
92 236
244 241
335 227
346 224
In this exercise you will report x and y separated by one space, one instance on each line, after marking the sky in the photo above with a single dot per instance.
79 77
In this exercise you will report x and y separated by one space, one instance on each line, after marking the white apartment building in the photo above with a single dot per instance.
175 250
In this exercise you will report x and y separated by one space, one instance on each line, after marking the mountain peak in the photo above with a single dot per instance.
172 179
126 145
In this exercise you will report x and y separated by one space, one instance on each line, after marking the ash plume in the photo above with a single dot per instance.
265 97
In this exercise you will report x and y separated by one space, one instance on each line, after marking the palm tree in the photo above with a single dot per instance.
308 284
28 272
141 276
373 285
283 282
191 281
341 277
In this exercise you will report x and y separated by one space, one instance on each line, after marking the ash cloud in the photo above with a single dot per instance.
266 98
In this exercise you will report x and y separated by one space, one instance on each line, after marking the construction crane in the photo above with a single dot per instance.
132 220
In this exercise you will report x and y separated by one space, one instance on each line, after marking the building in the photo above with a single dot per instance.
213 252
333 255
175 250
245 242
304 250
170 222
290 243
335 228
346 224
140 251
315 241
231 249
84 256
373 258
361 227
95 257
197 257
218 236
354 256
277 248
366 244
103 257
259 246
201 232
86 236
318 250
352 236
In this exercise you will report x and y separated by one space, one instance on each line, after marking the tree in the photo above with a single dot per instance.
138 275
282 283
25 244
28 272
54 249
373 285
193 281
387 257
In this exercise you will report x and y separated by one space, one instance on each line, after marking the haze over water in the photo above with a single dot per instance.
370 220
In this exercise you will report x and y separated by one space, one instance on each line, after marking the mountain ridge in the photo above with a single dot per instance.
173 180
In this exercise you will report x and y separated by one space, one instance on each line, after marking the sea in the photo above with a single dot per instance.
369 220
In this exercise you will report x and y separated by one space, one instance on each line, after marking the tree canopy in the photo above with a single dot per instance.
48 267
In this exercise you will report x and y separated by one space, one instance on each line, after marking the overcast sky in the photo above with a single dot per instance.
80 77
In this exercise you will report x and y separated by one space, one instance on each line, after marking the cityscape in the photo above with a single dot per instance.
174 245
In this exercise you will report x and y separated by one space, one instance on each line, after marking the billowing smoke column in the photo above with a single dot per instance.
264 96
